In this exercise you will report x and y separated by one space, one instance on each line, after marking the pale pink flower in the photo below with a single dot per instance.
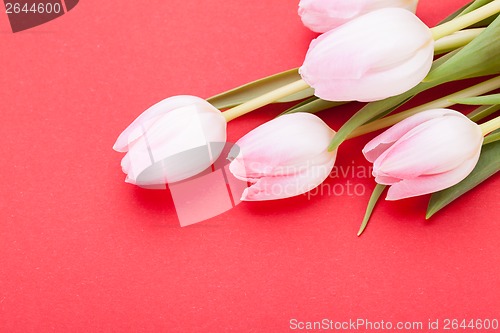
324 15
378 55
425 153
173 140
284 157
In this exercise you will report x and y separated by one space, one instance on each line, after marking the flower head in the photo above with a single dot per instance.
425 153
284 157
324 15
171 141
378 55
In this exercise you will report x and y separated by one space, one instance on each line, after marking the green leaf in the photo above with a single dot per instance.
487 166
312 105
300 104
297 96
377 192
492 137
484 23
390 110
259 87
473 6
483 112
443 59
457 12
478 100
374 110
478 58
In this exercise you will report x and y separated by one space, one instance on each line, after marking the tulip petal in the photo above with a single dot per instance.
382 142
380 83
410 5
172 141
434 147
126 164
324 15
136 160
287 142
386 180
431 183
285 157
381 54
148 170
166 105
281 187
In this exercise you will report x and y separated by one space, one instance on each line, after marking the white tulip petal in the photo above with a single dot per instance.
171 103
436 146
425 153
324 15
281 187
286 140
285 157
381 54
431 183
382 142
168 145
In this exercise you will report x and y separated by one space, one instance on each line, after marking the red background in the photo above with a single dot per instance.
81 251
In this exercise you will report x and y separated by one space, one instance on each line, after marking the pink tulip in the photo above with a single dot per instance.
171 141
284 157
378 55
425 153
324 15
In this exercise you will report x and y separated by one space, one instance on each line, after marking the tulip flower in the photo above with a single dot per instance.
378 55
171 141
284 157
324 15
425 153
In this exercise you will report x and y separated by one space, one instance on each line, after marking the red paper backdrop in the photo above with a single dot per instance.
82 251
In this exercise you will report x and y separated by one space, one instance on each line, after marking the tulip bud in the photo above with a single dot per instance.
171 141
378 55
324 15
425 153
284 157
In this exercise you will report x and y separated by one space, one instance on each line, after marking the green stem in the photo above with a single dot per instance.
456 40
265 99
466 20
490 126
482 112
443 102
493 137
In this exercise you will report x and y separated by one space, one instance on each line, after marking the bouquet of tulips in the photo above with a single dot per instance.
374 51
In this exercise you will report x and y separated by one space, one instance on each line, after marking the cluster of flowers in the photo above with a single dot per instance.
371 50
